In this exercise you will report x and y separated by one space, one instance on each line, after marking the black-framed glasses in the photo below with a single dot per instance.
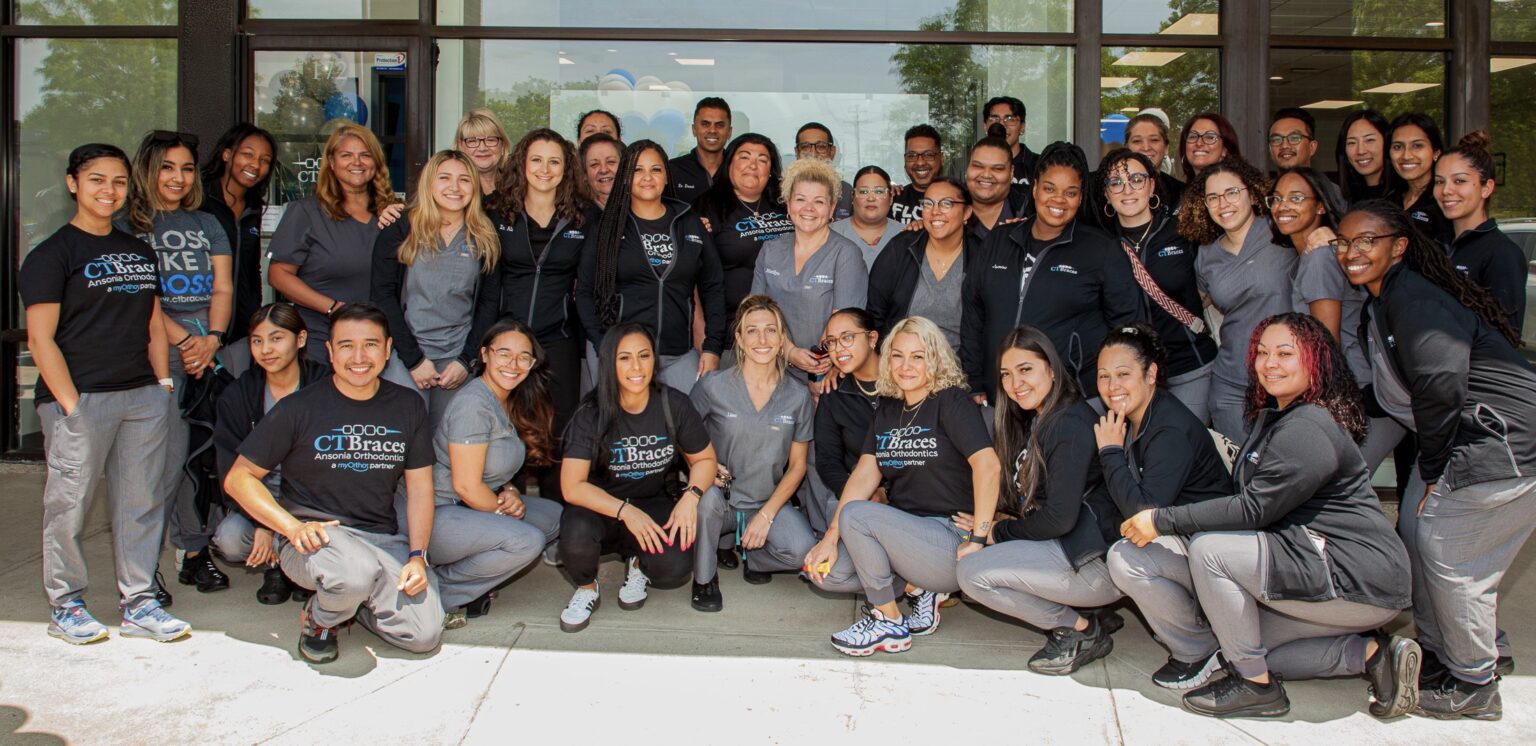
1295 198
1294 138
819 146
475 142
170 137
921 155
1229 195
1361 244
843 340
1209 138
943 205
1117 184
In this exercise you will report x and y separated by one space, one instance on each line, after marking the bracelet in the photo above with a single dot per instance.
765 515
332 309
621 510
977 539
184 340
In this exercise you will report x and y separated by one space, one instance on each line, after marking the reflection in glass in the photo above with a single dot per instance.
868 99
1331 84
367 10
895 15
97 12
1514 20
1412 18
1200 17
1181 82
1514 137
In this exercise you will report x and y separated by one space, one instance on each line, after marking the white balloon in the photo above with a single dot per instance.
613 85
614 78
645 82
678 85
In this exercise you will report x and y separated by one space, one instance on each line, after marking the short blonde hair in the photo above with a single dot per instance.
944 371
813 170
483 123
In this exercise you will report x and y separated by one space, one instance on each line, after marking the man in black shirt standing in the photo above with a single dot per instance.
924 159
690 174
343 446
1009 112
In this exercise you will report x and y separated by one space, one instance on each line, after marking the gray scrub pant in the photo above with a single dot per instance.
188 531
357 575
678 371
1034 581
1382 434
234 538
119 435
1465 541
789 538
1157 578
436 398
1227 409
1193 389
819 500
1295 639
473 551
890 547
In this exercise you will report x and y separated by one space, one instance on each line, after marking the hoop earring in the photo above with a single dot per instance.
1109 210
1155 202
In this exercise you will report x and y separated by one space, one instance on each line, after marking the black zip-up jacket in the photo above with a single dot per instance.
1474 395
1494 261
385 291
843 418
1427 216
687 179
1170 260
1020 205
1171 461
1074 506
894 275
1081 286
239 409
535 284
664 302
1303 486
1173 189
244 233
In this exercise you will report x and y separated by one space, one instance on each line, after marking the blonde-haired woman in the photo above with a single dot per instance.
760 423
426 270
481 137
323 248
929 442
813 271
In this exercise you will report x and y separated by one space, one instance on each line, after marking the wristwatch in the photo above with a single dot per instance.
218 333
695 490
422 553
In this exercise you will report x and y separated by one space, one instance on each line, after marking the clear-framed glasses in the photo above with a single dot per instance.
842 340
1209 138
1005 119
819 147
1360 244
943 205
476 142
1295 198
1229 195
1294 138
1117 184
921 155
866 191
523 360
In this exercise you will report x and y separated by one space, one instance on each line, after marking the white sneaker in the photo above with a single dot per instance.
579 611
552 554
632 594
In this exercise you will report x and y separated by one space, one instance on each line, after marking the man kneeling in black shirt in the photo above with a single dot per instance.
343 445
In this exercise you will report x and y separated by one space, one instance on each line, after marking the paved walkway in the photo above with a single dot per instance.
761 672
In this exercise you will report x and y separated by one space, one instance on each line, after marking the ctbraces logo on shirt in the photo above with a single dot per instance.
819 280
901 447
784 419
1253 457
361 447
640 455
1168 251
573 234
692 238
1067 268
125 273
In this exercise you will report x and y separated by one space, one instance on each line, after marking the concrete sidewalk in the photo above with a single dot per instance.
762 671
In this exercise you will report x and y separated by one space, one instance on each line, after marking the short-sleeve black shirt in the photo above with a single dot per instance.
641 451
925 453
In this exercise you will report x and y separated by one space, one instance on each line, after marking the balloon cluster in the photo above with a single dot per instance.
668 125
316 90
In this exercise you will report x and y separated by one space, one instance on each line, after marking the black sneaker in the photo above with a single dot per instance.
1505 666
727 559
275 587
1237 697
480 606
316 643
203 573
1460 699
1067 650
1109 619
1432 671
1394 675
756 578
706 596
301 594
161 594
1177 674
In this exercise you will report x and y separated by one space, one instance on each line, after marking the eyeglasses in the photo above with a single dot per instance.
943 205
842 340
1117 185
820 146
866 191
926 155
1295 198
1209 138
1005 119
1361 244
475 142
1294 138
1228 196
522 359
168 137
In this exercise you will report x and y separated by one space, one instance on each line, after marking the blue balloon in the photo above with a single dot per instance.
1112 128
342 105
627 75
669 125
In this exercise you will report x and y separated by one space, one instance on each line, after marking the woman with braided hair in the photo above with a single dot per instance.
1444 363
643 263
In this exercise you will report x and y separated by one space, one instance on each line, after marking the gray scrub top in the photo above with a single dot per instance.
939 300
1246 287
474 416
274 478
754 445
1318 277
439 297
845 229
834 277
334 257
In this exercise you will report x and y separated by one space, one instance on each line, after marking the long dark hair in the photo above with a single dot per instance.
571 200
1223 127
610 231
718 200
1115 161
530 407
1315 180
283 315
215 168
1351 184
1427 258
1332 386
1016 431
605 396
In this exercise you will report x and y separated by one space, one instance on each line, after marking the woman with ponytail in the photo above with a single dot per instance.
1464 189
1444 363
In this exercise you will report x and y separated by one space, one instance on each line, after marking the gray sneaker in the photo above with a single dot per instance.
633 593
148 619
74 625
578 613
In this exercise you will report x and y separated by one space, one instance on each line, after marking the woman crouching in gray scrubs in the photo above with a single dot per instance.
761 422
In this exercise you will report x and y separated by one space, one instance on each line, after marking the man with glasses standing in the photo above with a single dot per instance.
1293 142
1009 112
814 140
924 159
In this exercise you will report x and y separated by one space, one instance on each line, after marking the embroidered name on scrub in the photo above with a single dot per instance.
361 447
639 456
901 447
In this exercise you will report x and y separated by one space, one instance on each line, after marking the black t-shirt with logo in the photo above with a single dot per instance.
738 239
656 236
343 458
106 288
925 453
906 207
641 451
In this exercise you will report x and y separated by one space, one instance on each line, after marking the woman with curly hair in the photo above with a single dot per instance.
1296 571
1444 363
929 441
1244 273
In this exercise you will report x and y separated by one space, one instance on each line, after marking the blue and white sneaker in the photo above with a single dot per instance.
871 633
74 625
923 619
148 619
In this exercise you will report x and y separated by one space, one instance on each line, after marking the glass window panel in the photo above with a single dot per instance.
1162 17
367 10
1413 18
1180 82
70 92
891 15
1514 153
97 12
1514 20
869 98
1331 84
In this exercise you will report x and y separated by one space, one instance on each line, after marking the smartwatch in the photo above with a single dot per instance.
696 491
